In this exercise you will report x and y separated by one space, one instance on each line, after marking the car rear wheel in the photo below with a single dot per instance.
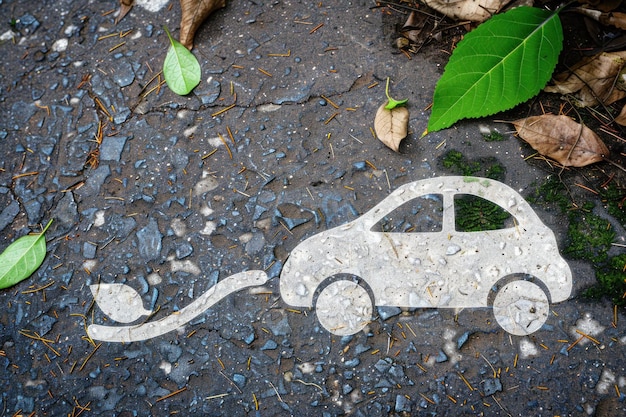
521 307
344 307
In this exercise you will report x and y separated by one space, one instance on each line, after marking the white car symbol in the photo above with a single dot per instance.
411 250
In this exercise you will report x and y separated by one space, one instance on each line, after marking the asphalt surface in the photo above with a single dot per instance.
171 195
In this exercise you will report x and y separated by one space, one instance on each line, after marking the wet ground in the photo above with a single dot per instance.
171 195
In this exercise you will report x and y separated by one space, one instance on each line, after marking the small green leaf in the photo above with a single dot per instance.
22 257
180 68
503 62
393 103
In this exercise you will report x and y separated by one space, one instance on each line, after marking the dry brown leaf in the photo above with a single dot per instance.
125 6
562 139
391 125
194 12
594 78
474 10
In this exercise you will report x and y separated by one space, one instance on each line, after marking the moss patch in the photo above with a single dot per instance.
457 163
589 236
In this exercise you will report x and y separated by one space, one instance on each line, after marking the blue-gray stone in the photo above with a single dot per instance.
388 312
112 147
9 212
89 250
123 75
269 345
352 363
396 371
403 404
462 339
491 386
43 324
383 365
255 244
95 180
441 357
183 250
149 241
346 389
239 380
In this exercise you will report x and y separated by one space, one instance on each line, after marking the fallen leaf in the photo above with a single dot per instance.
562 139
392 121
181 68
391 125
125 6
22 257
474 10
594 78
119 301
194 12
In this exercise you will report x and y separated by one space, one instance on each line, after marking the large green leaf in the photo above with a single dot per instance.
22 257
503 62
180 68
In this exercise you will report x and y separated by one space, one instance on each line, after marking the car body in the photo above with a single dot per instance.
446 268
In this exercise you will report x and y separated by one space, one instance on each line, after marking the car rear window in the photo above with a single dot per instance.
475 214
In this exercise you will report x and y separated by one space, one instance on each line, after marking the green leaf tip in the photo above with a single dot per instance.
393 103
22 257
181 68
503 62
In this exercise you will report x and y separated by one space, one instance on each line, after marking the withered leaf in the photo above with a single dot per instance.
474 10
594 78
391 125
562 139
125 6
194 12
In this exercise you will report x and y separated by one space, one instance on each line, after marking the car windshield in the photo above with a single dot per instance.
423 214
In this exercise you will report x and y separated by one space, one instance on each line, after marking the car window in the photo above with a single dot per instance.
475 214
419 215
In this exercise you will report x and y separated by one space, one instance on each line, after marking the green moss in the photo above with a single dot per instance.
611 281
589 237
494 136
550 192
456 162
474 214
614 199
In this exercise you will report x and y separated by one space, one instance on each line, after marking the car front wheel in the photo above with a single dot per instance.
344 307
521 307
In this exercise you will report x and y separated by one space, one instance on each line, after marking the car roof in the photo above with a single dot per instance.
486 188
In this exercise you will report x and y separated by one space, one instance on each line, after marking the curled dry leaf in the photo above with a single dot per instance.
194 12
125 6
391 125
594 78
474 10
562 139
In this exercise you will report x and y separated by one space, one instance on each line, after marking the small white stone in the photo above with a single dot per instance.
60 45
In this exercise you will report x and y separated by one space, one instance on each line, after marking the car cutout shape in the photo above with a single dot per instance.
425 260
419 258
